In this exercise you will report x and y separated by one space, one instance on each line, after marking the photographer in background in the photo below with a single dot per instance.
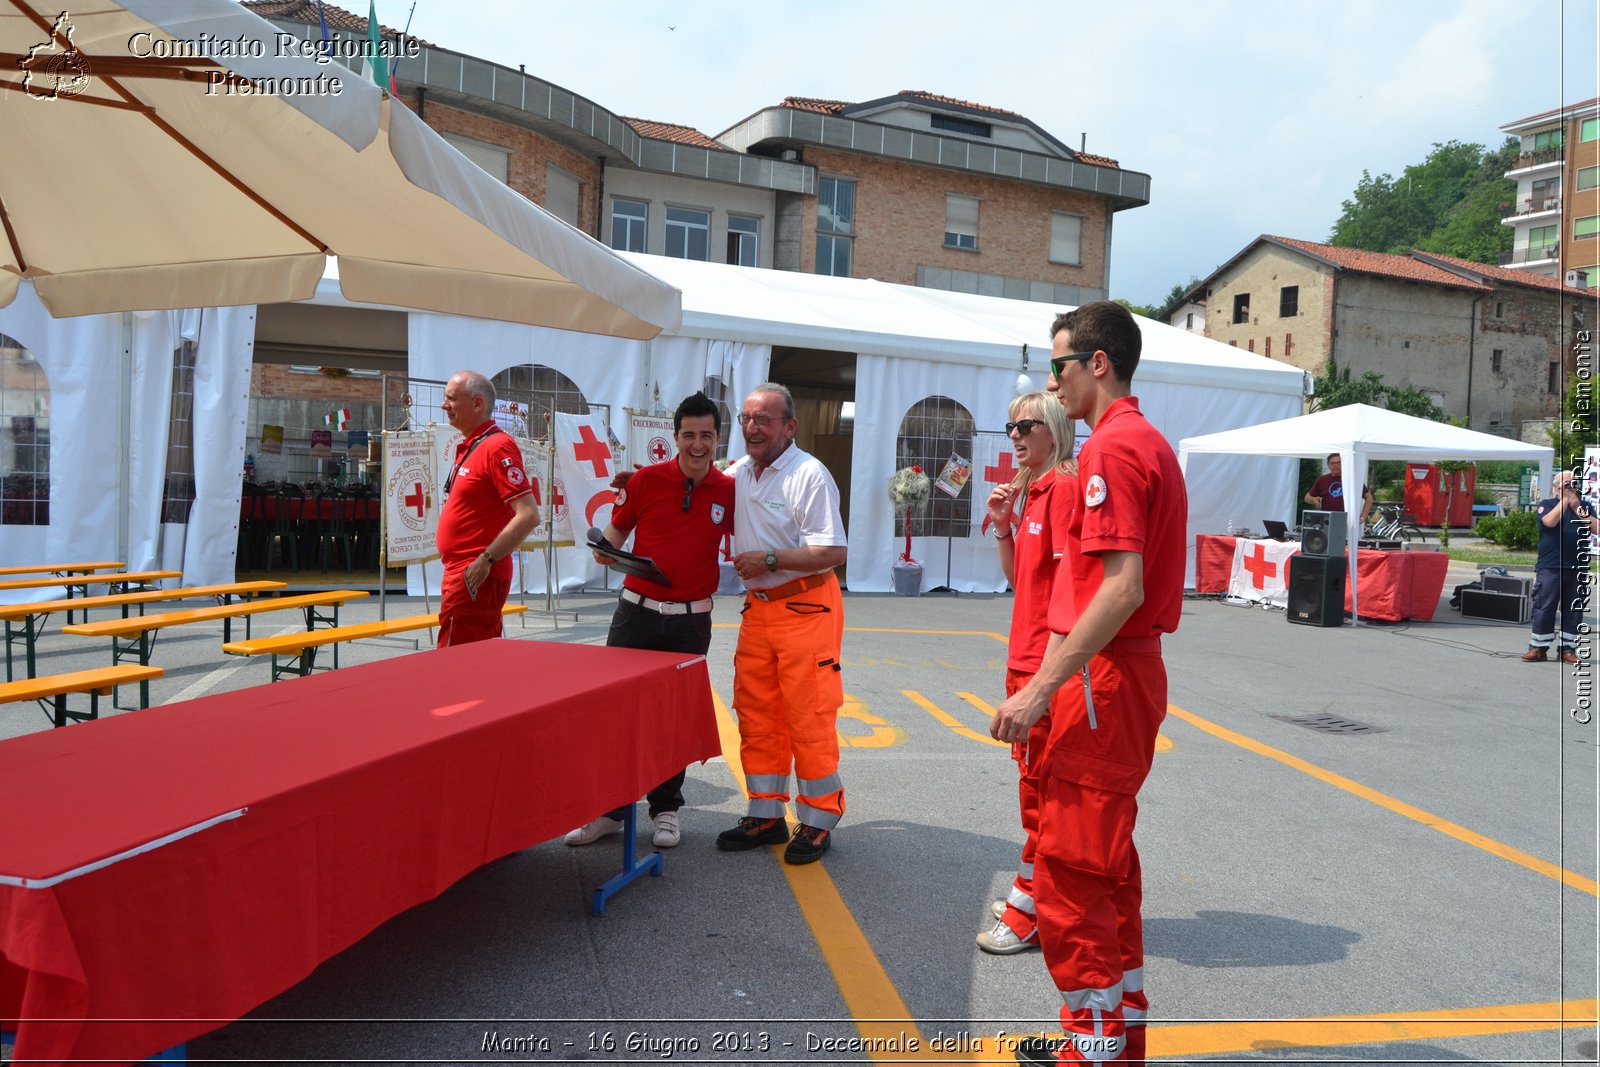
1565 523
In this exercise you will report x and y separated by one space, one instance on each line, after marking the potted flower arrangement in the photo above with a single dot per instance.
909 489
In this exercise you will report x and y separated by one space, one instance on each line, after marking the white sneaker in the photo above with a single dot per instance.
590 832
667 833
1001 941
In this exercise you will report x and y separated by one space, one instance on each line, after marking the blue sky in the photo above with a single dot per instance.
1251 117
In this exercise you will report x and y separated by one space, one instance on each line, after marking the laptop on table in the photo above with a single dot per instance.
1276 530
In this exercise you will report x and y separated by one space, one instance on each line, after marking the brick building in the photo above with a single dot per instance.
1485 342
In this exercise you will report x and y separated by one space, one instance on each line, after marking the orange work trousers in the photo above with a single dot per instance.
787 688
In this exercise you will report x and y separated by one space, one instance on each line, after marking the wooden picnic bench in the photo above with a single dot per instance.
24 622
94 682
60 568
304 645
132 636
118 583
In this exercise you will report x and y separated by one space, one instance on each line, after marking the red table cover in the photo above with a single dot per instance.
1395 586
346 798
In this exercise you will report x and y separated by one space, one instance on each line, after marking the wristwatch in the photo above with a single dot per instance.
772 561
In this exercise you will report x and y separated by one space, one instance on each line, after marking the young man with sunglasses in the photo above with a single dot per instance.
1104 685
787 685
678 512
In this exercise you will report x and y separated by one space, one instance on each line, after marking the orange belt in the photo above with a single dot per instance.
789 589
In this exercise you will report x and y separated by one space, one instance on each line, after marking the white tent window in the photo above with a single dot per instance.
24 437
1066 238
716 391
563 191
931 430
177 495
960 221
491 157
547 389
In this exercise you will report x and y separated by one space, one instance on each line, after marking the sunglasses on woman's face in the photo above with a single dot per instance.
1023 427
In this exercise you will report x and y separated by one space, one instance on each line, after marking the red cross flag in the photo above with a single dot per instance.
585 462
411 497
1260 571
650 439
993 463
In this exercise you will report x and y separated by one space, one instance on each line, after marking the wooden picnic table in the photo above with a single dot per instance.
60 568
24 622
133 636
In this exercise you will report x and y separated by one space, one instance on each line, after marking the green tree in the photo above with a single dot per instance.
1449 203
1578 421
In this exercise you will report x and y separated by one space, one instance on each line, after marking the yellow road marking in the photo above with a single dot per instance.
1211 1039
950 720
883 734
1400 807
869 996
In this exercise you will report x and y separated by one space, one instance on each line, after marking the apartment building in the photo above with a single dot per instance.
1484 342
1555 216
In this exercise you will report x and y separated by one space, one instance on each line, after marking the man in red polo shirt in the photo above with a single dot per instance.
488 511
1105 686
678 512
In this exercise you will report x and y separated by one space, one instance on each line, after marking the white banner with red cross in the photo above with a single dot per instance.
1260 571
410 498
993 463
550 494
585 462
650 439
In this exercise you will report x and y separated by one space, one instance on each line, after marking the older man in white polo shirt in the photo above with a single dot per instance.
787 682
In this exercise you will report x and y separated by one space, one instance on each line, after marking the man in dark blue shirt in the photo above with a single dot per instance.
1565 523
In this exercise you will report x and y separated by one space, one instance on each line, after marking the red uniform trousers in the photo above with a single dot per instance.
787 688
463 619
1087 879
1029 754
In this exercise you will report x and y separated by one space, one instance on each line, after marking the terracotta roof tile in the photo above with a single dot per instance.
306 11
1499 274
806 103
672 131
1380 264
1099 161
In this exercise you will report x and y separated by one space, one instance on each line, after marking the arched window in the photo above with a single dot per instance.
545 388
935 428
716 391
24 437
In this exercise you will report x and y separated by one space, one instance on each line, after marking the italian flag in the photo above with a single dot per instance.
339 420
377 64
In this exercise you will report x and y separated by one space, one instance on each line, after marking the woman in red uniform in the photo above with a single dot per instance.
1029 520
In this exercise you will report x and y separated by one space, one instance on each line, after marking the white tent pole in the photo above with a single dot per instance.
1354 462
125 439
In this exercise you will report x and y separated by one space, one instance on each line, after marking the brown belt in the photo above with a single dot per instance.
789 589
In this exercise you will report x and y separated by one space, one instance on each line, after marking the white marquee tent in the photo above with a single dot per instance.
1360 434
909 343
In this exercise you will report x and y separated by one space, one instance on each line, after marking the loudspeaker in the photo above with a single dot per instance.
1504 607
1316 588
1494 583
1322 533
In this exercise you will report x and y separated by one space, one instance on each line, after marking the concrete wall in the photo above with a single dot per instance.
1525 326
1416 336
661 191
1301 339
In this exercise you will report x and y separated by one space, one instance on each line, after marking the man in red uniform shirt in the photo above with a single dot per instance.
678 512
1105 686
488 511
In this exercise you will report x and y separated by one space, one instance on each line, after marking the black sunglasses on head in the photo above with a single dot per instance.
1059 363
1023 426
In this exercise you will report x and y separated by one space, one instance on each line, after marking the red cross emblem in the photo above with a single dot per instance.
415 499
1260 568
592 450
1004 472
658 449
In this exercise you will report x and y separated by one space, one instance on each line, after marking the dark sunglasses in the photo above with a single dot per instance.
688 489
1023 426
1059 363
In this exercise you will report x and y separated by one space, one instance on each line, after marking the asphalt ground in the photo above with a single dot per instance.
1422 890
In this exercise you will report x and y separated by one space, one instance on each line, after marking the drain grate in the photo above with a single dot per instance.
1332 724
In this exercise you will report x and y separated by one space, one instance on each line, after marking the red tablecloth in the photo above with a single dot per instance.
1395 586
334 802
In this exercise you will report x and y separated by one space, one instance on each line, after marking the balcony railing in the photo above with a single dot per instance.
1528 255
1534 159
1530 205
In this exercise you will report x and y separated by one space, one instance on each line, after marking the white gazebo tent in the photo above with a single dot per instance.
1359 434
